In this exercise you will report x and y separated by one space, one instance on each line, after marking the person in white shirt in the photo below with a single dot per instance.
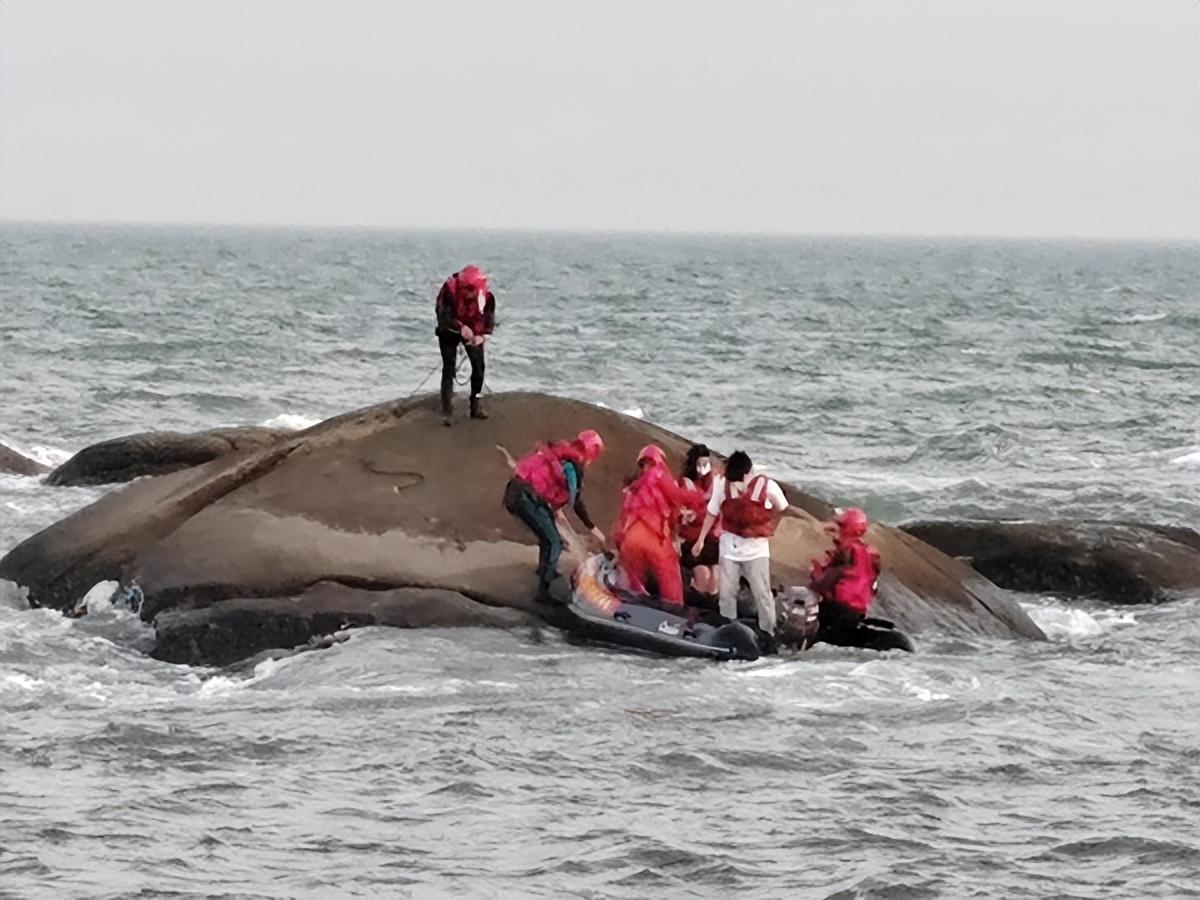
750 507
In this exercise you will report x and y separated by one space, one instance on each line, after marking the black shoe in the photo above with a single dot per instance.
477 410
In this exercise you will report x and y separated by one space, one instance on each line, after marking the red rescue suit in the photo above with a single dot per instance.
645 532
848 575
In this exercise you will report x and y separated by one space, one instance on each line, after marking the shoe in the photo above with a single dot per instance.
446 420
477 410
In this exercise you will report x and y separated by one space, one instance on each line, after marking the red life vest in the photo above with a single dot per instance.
692 513
470 312
746 515
543 471
859 581
653 499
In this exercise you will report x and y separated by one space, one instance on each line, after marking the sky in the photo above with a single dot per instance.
1008 119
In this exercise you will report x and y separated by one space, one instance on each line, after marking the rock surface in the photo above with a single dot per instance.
386 498
1118 562
14 463
236 629
156 453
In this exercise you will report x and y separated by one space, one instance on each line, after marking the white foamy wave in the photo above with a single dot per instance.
1188 459
1138 318
49 456
635 412
99 598
290 421
1062 622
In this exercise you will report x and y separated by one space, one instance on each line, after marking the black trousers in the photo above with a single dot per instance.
522 502
448 342
838 623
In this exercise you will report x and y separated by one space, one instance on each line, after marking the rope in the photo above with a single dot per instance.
458 367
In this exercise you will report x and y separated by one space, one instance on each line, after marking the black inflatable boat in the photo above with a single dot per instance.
599 611
602 613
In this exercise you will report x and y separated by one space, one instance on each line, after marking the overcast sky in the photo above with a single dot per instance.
967 118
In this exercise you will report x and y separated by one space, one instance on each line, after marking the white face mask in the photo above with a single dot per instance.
703 467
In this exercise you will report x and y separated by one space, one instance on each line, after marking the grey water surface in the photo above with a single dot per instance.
915 378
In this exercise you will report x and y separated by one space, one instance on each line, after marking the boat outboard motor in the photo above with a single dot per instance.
797 610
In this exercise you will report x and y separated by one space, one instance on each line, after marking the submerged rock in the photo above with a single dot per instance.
238 628
386 498
156 453
14 463
1118 562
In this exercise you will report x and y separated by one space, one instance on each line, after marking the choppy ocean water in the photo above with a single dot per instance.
914 377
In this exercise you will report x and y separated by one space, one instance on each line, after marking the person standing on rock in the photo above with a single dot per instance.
466 316
847 579
545 482
749 507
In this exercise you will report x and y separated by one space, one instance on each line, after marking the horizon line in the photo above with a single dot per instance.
604 231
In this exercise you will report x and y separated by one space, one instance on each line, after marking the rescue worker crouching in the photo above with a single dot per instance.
847 579
544 483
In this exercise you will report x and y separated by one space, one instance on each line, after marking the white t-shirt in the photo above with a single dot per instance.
742 549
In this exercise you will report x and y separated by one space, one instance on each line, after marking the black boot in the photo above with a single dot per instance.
476 409
447 405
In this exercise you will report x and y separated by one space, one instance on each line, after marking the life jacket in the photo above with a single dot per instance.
859 581
652 499
472 313
692 513
543 471
747 515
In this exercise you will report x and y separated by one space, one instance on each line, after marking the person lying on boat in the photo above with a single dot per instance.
646 528
544 483
697 475
847 579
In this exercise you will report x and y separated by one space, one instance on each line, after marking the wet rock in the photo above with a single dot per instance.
14 463
1118 562
238 628
156 453
387 498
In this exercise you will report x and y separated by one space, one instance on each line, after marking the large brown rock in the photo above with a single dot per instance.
14 463
386 498
156 453
1118 562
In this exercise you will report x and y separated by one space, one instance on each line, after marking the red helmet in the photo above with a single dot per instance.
474 277
591 443
654 453
852 522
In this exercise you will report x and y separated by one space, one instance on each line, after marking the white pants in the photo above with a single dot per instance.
757 573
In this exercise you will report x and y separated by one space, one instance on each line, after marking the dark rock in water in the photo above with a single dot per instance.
238 628
386 498
1118 562
14 463
157 453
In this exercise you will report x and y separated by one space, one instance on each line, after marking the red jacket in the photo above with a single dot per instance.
849 575
454 309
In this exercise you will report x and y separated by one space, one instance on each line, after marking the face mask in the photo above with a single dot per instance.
703 467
